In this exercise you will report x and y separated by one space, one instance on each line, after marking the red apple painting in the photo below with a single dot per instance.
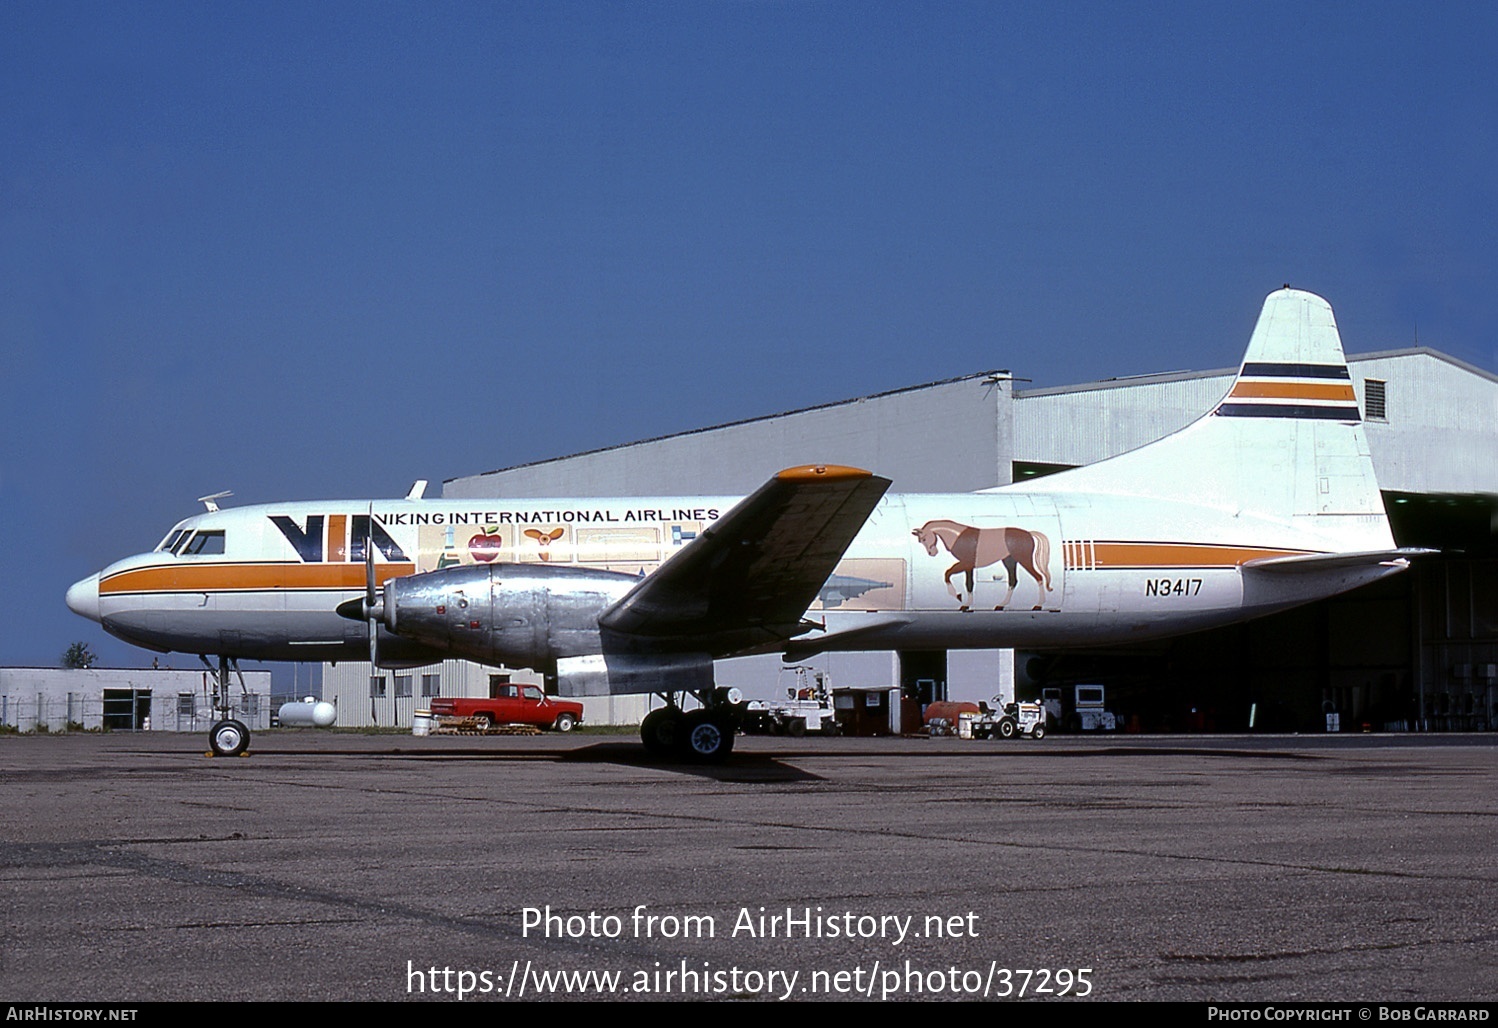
486 545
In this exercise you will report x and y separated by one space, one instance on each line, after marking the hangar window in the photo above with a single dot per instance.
376 687
431 685
1375 394
402 687
186 704
203 544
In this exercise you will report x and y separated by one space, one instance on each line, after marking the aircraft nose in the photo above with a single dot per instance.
83 597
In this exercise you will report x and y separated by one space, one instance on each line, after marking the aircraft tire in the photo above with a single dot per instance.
706 737
660 731
228 738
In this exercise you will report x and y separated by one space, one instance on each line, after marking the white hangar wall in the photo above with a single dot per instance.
1438 432
949 436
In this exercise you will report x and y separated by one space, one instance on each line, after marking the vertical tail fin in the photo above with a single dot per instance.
1286 443
1294 367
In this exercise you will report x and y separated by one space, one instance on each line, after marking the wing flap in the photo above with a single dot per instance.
746 581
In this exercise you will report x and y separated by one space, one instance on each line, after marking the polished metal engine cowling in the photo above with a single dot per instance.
521 615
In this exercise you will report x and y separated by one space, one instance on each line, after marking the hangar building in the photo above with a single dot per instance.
1416 652
53 699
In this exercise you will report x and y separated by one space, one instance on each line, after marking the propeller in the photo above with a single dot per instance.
369 608
373 609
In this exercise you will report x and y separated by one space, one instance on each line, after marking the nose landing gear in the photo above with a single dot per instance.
228 737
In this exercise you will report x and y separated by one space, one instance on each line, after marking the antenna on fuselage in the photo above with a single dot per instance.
211 502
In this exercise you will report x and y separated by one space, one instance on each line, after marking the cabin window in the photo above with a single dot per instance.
204 544
1375 400
533 693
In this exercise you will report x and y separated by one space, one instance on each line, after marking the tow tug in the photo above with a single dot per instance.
1011 719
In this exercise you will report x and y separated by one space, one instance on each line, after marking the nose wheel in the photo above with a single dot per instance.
228 738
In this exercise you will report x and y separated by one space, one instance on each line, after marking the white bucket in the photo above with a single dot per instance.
422 722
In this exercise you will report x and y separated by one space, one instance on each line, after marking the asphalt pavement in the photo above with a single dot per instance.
350 867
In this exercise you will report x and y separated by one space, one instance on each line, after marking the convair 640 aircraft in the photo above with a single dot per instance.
1267 502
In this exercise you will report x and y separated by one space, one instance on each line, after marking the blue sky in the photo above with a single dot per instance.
308 251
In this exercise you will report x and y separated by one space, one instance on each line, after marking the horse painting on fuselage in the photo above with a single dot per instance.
979 547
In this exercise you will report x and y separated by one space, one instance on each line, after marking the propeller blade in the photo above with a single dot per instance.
371 610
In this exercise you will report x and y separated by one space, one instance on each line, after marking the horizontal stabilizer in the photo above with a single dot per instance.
1310 563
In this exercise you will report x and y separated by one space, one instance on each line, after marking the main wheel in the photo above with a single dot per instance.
707 737
564 722
228 738
660 730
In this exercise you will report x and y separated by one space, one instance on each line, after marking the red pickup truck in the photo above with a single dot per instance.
514 705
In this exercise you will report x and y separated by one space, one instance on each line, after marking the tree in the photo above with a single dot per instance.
78 655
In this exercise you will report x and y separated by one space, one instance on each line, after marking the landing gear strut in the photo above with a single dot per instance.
228 737
702 736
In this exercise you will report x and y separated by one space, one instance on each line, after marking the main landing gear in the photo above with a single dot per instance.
702 736
228 737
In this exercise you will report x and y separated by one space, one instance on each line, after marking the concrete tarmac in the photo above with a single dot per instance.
352 867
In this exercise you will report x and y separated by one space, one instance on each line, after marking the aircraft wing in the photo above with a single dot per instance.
746 581
1316 562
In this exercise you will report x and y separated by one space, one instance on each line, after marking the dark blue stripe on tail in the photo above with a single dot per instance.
1287 410
1296 371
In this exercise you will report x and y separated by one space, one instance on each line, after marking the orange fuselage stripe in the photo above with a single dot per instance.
1180 555
1295 391
204 578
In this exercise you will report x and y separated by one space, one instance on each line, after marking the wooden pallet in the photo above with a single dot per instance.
467 726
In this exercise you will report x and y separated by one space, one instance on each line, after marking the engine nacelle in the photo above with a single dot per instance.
520 615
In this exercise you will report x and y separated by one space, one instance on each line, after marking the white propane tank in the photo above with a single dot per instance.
307 714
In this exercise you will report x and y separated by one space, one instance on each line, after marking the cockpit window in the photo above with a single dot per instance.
171 540
202 544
